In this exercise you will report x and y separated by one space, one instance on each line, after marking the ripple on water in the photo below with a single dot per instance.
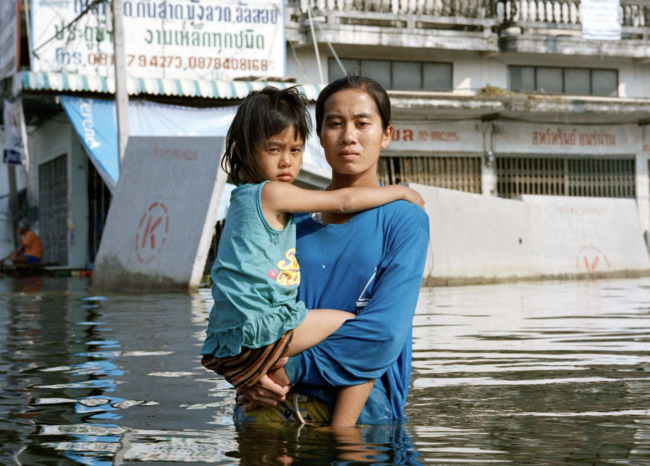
529 373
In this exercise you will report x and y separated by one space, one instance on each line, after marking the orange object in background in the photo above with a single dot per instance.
32 244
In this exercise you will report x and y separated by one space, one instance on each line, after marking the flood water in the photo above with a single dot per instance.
542 373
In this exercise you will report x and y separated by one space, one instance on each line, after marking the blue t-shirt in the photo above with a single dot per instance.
372 265
256 278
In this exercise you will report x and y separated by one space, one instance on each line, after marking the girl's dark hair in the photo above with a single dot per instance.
372 87
261 115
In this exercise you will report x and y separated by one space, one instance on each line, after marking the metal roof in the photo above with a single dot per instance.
61 82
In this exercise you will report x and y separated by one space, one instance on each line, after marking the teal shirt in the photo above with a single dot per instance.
256 277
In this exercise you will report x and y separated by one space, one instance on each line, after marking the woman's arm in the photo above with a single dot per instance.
367 345
363 348
284 197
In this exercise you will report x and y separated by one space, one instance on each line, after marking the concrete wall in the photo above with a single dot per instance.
78 220
478 238
161 220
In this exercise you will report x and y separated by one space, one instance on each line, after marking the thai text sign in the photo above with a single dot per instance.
9 38
178 39
428 136
601 19
565 139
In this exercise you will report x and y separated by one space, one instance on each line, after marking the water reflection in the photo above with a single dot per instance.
531 373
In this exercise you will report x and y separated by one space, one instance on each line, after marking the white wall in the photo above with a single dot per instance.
78 178
471 70
304 67
477 238
6 230
643 72
153 192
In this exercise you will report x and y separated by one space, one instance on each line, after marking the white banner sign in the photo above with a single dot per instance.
9 38
429 136
178 39
15 136
532 138
601 19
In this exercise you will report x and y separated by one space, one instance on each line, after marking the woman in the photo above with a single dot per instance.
369 263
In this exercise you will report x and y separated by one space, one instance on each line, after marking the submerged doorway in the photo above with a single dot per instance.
53 209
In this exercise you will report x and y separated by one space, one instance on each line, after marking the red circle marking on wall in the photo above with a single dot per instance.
152 232
592 259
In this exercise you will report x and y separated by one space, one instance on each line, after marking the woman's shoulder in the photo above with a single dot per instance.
405 212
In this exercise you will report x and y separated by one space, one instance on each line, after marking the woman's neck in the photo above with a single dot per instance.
364 180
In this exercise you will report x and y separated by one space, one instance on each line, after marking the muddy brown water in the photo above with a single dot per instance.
542 373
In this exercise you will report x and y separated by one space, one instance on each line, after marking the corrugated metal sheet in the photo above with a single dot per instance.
62 82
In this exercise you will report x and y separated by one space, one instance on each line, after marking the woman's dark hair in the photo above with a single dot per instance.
372 87
261 115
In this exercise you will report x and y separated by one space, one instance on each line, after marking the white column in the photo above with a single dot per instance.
121 93
488 179
488 172
642 181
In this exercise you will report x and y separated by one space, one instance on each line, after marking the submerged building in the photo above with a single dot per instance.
500 98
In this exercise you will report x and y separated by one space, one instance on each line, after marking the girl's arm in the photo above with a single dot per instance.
284 197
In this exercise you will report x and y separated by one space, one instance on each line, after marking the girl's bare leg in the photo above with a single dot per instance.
318 325
349 404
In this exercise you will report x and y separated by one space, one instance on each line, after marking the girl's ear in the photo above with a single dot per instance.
387 137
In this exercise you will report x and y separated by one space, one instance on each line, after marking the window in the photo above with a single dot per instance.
399 75
574 81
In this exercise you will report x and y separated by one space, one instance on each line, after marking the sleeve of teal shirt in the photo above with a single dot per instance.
364 347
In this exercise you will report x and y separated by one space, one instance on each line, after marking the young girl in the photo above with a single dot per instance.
255 319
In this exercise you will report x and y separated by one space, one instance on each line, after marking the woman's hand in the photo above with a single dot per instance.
412 196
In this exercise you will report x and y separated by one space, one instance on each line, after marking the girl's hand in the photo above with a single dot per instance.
265 393
412 196
268 391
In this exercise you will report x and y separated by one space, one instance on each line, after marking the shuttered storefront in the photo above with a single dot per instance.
585 177
53 209
459 173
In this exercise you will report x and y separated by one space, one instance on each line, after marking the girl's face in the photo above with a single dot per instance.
352 134
281 156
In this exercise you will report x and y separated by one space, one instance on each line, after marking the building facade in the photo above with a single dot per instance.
501 98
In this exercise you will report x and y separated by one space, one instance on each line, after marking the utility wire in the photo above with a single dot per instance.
336 57
313 36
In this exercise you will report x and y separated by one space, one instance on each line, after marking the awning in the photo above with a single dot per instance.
65 82
95 123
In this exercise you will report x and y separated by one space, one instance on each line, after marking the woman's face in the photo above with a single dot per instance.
352 133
